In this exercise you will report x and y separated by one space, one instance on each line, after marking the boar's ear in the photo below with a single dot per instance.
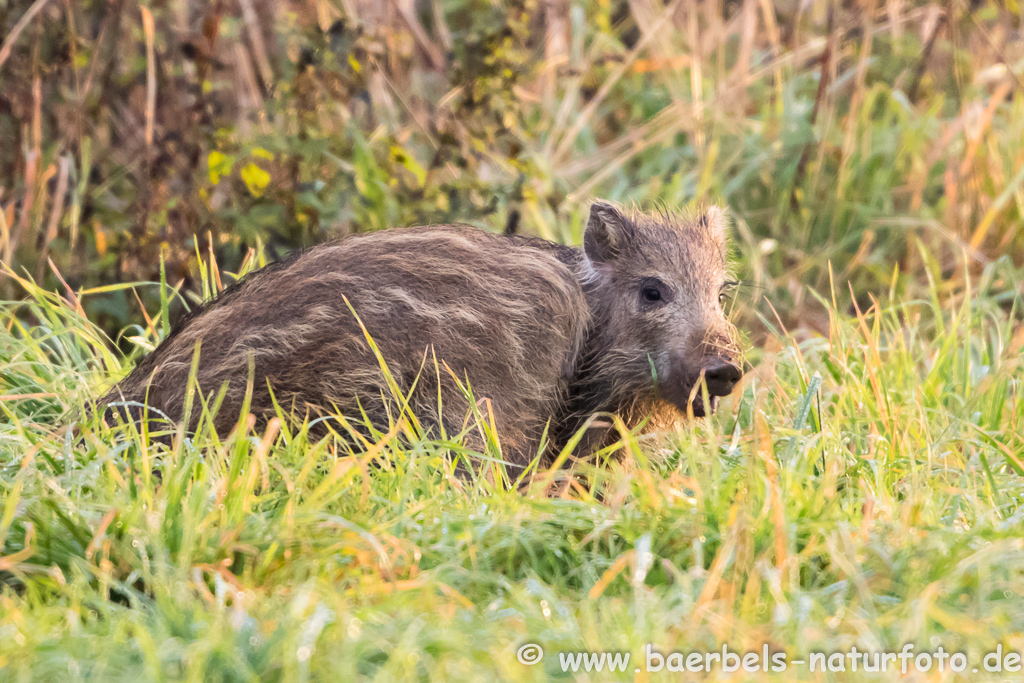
714 220
606 234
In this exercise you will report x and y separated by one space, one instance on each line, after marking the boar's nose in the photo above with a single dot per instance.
721 376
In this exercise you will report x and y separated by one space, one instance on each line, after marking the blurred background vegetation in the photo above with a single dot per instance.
860 136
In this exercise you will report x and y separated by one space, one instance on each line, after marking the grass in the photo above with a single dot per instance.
863 487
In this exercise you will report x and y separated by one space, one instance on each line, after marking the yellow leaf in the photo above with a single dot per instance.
399 155
219 164
256 179
262 153
101 239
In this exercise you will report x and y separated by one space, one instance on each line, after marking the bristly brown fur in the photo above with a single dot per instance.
548 334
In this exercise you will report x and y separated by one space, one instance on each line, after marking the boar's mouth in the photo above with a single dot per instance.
697 405
680 396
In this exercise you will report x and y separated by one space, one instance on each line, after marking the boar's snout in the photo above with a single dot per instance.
718 372
721 376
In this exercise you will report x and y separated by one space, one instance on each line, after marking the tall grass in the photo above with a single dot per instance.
863 487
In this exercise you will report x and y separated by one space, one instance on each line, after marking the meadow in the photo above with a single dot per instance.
863 488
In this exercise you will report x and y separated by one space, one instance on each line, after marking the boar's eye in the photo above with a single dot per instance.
653 292
723 293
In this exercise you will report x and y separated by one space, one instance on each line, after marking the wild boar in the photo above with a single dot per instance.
549 334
